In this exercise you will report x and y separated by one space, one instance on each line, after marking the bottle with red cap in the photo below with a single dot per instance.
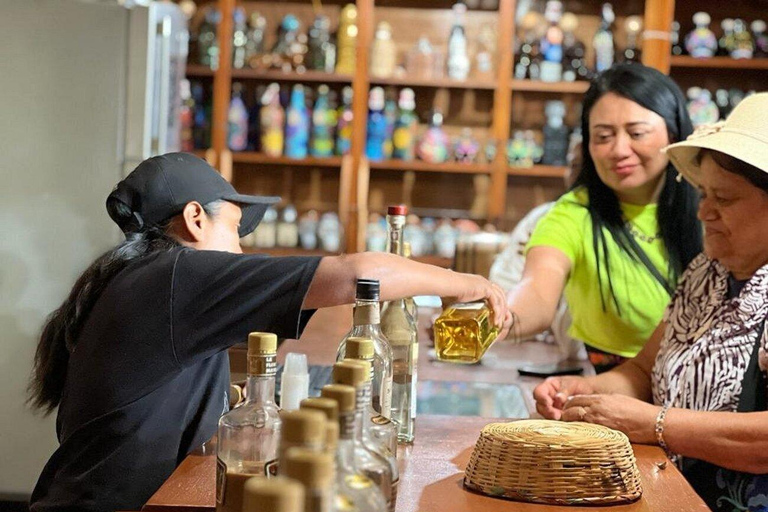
399 327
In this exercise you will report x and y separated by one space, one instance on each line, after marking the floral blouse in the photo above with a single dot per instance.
709 338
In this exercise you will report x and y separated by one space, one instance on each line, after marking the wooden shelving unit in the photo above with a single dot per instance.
686 61
485 105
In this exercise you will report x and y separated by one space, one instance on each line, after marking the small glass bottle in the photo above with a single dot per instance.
354 490
464 331
344 127
458 59
382 430
314 470
404 136
237 120
330 408
272 122
399 328
248 436
367 325
410 304
603 42
239 39
301 429
275 495
377 125
297 125
323 123
378 468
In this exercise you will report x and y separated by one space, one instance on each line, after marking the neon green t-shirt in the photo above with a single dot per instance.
641 299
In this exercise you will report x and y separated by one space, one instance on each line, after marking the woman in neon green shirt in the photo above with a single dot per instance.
616 243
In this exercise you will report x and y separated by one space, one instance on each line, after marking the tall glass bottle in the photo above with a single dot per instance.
330 408
272 122
366 325
382 431
297 125
314 470
377 125
237 120
301 429
372 464
404 136
323 121
458 59
239 38
248 436
344 127
354 490
603 41
410 304
399 327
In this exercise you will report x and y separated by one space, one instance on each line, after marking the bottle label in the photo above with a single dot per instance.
221 481
262 365
367 315
347 425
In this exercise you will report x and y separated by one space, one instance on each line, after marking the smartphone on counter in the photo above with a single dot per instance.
550 370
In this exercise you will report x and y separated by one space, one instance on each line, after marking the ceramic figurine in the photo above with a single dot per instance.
743 45
287 228
376 233
484 56
428 226
254 46
761 38
323 123
532 27
433 147
377 125
466 148
404 136
633 26
414 236
237 120
297 125
603 41
552 43
383 52
272 122
725 43
701 42
722 100
458 59
518 154
574 61
265 235
239 38
445 239
280 56
321 52
344 127
555 135
207 42
308 230
701 108
677 48
329 232
347 40
535 151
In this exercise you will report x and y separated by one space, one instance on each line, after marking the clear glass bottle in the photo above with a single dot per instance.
354 490
366 325
410 304
301 429
331 410
368 461
314 470
464 331
399 327
274 495
248 436
382 431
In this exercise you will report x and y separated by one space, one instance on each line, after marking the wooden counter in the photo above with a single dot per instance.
432 471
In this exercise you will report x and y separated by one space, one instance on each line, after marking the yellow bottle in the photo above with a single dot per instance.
464 331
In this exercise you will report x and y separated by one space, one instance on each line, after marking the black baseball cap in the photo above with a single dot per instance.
161 186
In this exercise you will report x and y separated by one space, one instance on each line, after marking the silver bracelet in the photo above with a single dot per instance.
659 428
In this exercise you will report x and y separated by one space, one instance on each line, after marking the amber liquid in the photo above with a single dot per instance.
463 332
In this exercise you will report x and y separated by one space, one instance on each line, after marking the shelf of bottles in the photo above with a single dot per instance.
686 61
419 165
253 157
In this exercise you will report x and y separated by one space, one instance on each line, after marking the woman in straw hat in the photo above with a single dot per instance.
708 357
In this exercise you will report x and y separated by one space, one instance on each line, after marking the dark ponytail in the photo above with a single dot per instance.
62 328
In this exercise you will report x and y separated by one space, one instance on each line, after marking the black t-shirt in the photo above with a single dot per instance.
149 376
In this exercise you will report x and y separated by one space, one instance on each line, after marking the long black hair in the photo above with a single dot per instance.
62 328
679 228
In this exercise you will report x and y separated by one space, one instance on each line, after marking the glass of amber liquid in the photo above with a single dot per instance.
464 331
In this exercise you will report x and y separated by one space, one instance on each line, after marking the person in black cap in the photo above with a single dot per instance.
135 358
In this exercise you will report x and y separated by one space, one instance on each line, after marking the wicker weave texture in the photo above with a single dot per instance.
554 462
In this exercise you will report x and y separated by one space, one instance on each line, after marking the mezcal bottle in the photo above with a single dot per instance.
314 470
354 490
464 331
276 495
248 436
399 327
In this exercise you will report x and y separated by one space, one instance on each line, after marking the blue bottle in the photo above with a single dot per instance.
297 125
323 123
377 126
344 127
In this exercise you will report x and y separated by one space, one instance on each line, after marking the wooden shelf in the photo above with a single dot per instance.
196 70
274 75
418 165
288 251
251 157
686 61
577 87
538 171
445 83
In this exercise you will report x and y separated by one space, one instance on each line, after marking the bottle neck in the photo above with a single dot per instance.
362 400
260 389
395 224
366 313
345 456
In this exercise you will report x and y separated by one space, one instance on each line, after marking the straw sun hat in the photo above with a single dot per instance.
744 135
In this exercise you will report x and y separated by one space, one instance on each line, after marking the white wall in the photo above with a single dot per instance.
61 74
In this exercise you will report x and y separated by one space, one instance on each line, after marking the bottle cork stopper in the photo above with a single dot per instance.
344 395
278 494
303 427
261 343
359 348
314 470
349 372
327 406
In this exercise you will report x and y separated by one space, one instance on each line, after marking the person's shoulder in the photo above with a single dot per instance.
699 269
572 204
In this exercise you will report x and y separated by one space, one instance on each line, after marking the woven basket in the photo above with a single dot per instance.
554 462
